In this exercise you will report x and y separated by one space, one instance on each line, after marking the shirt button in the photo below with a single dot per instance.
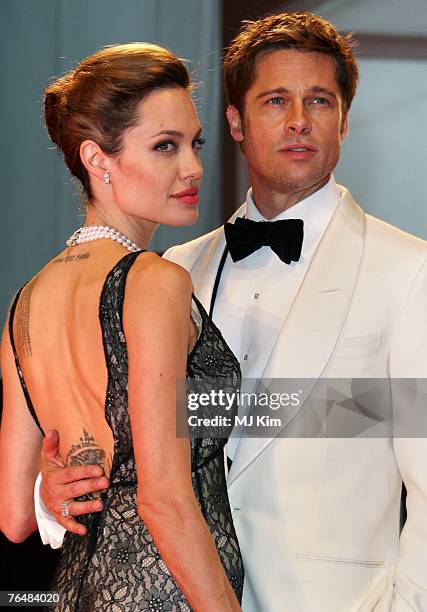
256 296
245 357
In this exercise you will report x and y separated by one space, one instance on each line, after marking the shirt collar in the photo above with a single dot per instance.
316 211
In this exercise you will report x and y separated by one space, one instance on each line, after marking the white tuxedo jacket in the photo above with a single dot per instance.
318 519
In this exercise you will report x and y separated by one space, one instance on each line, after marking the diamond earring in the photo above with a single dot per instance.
107 178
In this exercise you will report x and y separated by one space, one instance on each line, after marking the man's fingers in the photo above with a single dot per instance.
72 525
77 508
71 474
70 491
81 487
50 444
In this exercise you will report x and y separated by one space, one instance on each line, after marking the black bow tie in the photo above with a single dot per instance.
283 237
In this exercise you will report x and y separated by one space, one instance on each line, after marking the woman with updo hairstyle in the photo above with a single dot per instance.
97 341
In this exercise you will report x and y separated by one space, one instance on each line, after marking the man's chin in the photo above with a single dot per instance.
302 183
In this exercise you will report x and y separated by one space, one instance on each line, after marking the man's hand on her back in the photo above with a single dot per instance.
60 483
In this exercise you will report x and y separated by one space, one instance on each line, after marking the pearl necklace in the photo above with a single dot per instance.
96 232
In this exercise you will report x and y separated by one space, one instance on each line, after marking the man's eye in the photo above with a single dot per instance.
198 143
165 147
319 100
276 100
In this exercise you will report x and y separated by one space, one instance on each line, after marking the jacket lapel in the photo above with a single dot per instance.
316 318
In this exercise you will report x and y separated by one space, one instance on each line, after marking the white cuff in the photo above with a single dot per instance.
51 532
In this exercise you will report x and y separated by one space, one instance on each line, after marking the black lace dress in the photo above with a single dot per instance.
117 566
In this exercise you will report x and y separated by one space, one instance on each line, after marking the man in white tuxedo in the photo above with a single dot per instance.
317 518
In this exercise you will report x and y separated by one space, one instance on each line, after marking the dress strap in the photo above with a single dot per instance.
115 353
18 366
200 307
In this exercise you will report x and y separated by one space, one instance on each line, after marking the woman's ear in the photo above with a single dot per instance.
96 162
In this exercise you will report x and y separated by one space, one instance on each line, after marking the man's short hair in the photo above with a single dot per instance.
300 31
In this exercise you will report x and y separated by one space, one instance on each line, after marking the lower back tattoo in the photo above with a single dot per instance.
86 452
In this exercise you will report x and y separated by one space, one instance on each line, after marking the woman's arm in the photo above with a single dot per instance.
157 325
20 443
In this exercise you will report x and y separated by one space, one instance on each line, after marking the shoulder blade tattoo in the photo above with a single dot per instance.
22 322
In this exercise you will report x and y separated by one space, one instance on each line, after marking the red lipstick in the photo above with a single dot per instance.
188 196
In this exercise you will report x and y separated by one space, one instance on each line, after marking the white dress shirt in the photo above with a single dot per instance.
255 294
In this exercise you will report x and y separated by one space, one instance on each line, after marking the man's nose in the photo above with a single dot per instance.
297 119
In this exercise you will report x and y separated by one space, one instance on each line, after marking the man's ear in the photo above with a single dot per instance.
344 124
235 123
94 159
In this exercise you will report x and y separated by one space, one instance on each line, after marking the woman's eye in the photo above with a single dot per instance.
198 143
165 147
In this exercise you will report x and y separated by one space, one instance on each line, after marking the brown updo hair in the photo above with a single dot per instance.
98 99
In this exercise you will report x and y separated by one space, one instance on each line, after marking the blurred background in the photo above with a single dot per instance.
383 163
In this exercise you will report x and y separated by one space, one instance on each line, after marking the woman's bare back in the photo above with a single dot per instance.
60 348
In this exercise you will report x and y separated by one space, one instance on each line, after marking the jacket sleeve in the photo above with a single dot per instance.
408 373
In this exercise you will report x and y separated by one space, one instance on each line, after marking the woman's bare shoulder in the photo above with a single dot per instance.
158 274
158 294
